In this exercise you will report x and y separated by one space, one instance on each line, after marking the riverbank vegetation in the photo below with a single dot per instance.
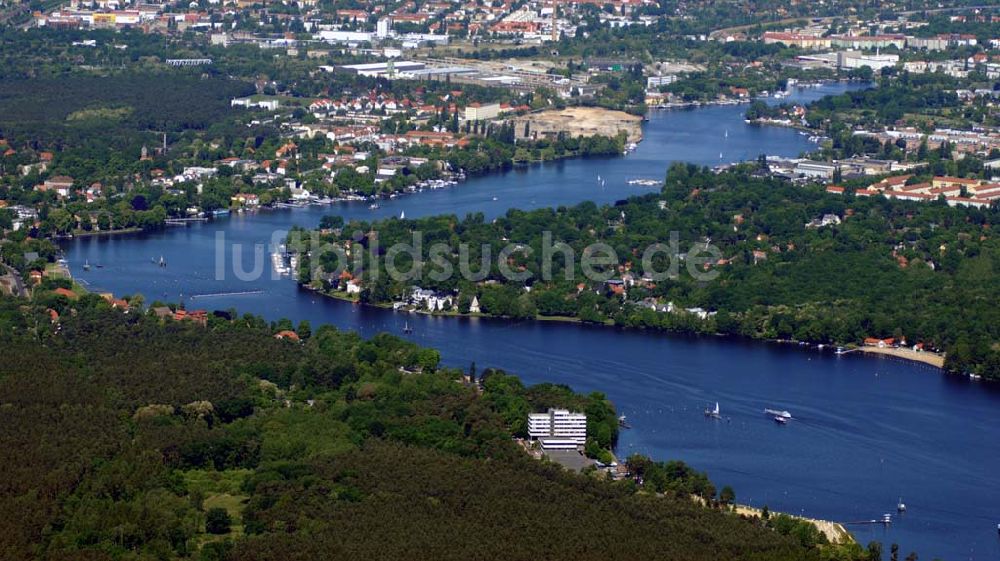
130 438
792 263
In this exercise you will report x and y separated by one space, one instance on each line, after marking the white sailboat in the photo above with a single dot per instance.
714 413
402 215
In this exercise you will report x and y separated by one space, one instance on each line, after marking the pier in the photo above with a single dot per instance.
220 294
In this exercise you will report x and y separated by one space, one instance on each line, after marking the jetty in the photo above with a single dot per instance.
184 221
221 294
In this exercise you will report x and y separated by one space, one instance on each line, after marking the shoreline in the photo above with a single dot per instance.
925 358
97 233
835 532
928 358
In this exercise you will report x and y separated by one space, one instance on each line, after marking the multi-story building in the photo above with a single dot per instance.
800 40
481 112
558 429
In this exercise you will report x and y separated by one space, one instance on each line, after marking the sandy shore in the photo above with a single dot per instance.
834 531
925 357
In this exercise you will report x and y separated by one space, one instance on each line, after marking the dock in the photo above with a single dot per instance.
184 221
221 294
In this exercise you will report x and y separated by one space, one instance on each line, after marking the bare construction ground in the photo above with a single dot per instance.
579 121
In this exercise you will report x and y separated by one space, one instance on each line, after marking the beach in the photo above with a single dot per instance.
933 359
834 531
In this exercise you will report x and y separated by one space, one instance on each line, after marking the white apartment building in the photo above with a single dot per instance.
383 28
558 428
482 112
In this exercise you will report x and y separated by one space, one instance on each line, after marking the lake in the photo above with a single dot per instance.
867 431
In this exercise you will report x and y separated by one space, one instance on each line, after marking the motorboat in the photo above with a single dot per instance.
776 413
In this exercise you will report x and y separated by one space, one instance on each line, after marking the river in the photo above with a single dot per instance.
867 430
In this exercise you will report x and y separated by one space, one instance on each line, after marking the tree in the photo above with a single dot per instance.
305 330
727 496
217 521
874 551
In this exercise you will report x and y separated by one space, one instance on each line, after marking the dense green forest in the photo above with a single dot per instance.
96 125
129 438
917 271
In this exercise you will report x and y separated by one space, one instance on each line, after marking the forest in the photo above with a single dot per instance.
129 438
96 125
906 270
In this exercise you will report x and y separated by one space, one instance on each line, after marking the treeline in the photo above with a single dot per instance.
127 437
894 99
880 268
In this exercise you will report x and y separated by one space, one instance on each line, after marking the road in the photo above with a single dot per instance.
16 282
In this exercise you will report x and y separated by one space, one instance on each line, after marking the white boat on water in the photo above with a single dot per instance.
714 413
776 413
900 506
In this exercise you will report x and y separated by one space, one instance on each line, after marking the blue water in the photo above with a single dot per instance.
868 430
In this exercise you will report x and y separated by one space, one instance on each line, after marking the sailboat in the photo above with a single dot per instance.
402 215
727 134
713 413
407 328
900 506
598 178
86 265
163 262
